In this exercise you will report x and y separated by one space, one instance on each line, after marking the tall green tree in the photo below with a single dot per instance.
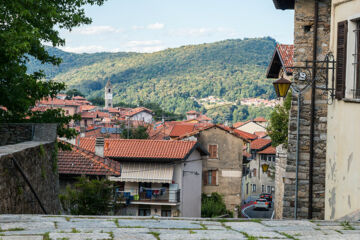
25 25
24 28
279 121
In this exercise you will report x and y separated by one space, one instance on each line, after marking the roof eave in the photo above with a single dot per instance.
284 4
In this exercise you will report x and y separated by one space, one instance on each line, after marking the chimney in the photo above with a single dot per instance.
99 146
82 131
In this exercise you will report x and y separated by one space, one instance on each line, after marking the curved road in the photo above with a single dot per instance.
258 213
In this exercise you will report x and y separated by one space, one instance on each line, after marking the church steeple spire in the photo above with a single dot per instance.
108 95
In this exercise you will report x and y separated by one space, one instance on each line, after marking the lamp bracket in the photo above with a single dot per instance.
324 76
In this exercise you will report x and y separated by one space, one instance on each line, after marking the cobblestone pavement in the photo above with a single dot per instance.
38 227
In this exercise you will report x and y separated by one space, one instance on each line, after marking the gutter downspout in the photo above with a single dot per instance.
312 119
297 153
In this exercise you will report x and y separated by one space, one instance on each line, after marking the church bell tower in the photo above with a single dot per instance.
108 95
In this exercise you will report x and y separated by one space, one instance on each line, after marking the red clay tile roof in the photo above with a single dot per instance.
137 110
97 114
268 150
239 124
259 119
86 107
141 149
261 134
82 162
237 133
181 129
113 110
192 112
260 143
58 102
78 98
286 53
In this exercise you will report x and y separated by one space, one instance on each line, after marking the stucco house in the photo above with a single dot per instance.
251 126
260 169
222 169
342 150
158 177
140 114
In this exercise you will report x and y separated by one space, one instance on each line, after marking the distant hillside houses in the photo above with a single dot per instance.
257 102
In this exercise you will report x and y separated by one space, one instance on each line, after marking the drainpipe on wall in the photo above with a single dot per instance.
312 119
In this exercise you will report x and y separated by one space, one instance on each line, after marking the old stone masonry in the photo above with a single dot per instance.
38 227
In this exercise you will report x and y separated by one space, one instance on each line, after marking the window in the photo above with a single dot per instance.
109 105
210 177
254 171
253 154
213 151
144 212
356 61
262 188
263 157
254 187
67 112
166 213
109 90
247 188
268 189
341 60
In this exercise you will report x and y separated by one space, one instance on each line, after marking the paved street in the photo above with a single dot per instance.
258 213
37 227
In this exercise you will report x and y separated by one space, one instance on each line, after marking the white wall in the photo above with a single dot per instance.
142 116
342 189
252 127
191 186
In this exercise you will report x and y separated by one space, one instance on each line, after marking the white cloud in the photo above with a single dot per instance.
135 27
93 30
89 49
145 46
156 26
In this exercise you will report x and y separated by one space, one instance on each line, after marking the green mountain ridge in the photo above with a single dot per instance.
230 69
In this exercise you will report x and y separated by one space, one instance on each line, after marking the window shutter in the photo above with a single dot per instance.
215 151
205 177
341 60
213 177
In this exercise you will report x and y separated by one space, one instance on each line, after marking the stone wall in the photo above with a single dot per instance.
38 160
228 165
303 48
280 167
15 133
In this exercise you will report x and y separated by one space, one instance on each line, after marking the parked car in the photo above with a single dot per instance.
262 203
267 196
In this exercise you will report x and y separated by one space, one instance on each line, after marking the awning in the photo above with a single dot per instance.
145 172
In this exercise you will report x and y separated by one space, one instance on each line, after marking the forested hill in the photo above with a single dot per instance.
230 69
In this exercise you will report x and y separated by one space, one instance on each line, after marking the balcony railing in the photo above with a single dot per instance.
149 195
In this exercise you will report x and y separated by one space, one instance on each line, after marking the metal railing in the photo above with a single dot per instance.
149 195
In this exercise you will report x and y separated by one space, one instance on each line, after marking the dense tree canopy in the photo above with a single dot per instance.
279 121
24 28
229 69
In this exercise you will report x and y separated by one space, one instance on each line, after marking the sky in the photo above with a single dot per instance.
154 25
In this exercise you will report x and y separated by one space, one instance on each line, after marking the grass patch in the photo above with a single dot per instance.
248 236
287 235
111 235
46 236
346 225
191 232
249 220
116 221
74 230
155 234
68 219
339 231
203 226
12 229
